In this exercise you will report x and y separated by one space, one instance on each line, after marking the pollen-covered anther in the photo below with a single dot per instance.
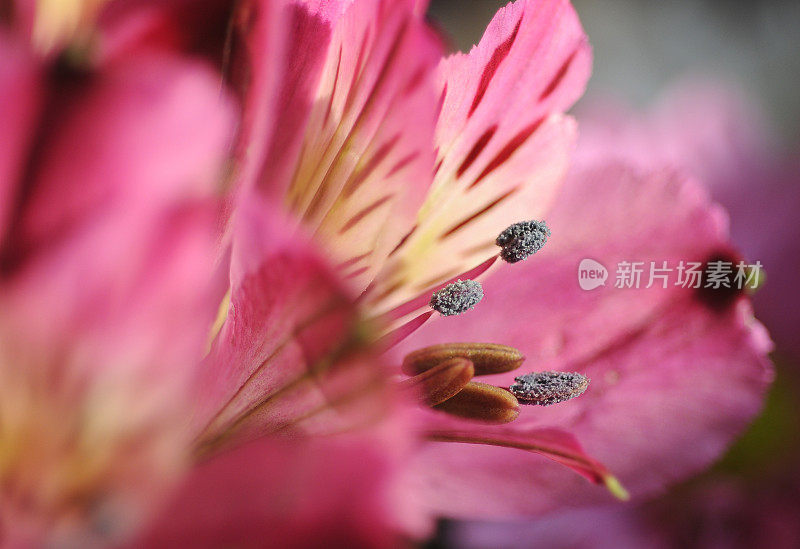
521 240
441 382
482 402
545 388
456 298
487 358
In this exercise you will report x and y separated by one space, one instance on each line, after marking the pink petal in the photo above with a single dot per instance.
289 356
107 293
119 215
276 81
673 380
23 13
709 129
607 527
126 27
391 108
332 492
344 154
19 110
502 143
725 510
136 119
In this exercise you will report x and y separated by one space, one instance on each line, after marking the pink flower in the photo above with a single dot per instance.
330 139
341 164
358 139
402 208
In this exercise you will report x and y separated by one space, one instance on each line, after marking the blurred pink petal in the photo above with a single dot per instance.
709 129
502 143
19 111
184 26
286 493
113 184
108 288
673 379
714 132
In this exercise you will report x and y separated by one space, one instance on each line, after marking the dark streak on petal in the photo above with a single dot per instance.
370 166
357 272
402 163
479 213
358 217
353 260
415 80
491 67
510 148
403 240
333 89
476 150
562 72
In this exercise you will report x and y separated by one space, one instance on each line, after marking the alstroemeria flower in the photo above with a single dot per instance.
407 168
404 165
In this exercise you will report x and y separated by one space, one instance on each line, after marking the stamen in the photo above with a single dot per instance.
545 388
487 358
441 382
397 335
456 298
521 240
482 402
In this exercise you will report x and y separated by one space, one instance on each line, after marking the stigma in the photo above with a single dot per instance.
522 240
456 298
545 388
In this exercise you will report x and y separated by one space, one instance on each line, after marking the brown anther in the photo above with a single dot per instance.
482 402
440 382
487 358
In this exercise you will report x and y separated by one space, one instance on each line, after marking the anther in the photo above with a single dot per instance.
456 298
487 358
521 240
545 388
482 402
441 382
